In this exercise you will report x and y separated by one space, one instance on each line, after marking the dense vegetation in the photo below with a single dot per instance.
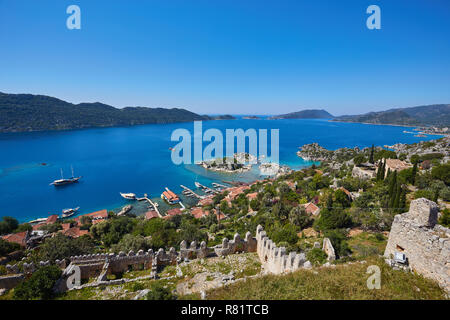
26 112
438 115
39 286
305 114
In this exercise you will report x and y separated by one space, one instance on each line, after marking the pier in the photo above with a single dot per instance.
206 189
218 185
189 192
153 204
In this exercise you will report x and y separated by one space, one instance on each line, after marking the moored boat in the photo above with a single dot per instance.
128 196
69 212
62 181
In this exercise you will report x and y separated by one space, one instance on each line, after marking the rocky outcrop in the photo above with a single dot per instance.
425 244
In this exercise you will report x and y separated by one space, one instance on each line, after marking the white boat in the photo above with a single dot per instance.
62 181
69 212
38 220
128 196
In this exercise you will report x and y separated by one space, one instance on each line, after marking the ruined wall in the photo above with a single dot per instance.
425 243
249 244
9 282
276 260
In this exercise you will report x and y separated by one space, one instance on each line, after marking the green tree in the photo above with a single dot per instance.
7 247
61 247
159 292
371 157
132 242
39 286
332 219
414 173
442 172
8 225
299 217
445 218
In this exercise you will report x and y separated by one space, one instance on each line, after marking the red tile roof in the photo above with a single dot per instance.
151 214
174 212
37 226
198 212
252 196
97 216
311 208
66 226
20 238
346 191
206 201
75 232
52 219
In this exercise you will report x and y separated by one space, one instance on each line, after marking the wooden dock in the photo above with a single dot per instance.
191 193
206 189
218 185
153 204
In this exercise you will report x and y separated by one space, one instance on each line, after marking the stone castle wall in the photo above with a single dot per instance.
425 243
274 259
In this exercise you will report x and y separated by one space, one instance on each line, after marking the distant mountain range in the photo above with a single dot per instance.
27 112
434 115
305 114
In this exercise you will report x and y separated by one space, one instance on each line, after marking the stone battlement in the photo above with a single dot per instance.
425 244
274 259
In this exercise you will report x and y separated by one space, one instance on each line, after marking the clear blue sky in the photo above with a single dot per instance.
229 56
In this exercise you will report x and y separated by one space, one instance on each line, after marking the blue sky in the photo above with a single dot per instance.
229 56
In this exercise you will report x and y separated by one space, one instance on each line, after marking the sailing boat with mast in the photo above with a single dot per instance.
62 181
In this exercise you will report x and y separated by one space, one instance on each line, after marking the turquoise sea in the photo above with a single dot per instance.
137 159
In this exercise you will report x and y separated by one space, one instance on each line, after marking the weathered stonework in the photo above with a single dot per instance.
425 243
275 260
328 249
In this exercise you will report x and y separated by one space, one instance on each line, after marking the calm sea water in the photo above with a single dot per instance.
137 159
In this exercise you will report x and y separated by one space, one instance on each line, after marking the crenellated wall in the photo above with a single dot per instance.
274 259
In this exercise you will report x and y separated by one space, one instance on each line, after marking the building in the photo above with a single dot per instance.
74 232
172 213
198 212
170 197
312 209
396 165
96 217
252 196
20 238
151 215
364 171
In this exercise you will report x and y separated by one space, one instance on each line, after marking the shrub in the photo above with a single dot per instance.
159 292
286 233
424 193
7 247
338 240
334 219
8 225
445 218
442 172
316 256
61 247
39 286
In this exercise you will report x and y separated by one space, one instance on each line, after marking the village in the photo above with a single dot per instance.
374 204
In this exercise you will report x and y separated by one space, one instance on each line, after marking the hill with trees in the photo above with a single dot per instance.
27 112
305 114
435 115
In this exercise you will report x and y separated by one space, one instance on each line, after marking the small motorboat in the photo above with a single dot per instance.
128 196
69 212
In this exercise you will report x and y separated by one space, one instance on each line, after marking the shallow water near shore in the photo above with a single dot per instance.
137 159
